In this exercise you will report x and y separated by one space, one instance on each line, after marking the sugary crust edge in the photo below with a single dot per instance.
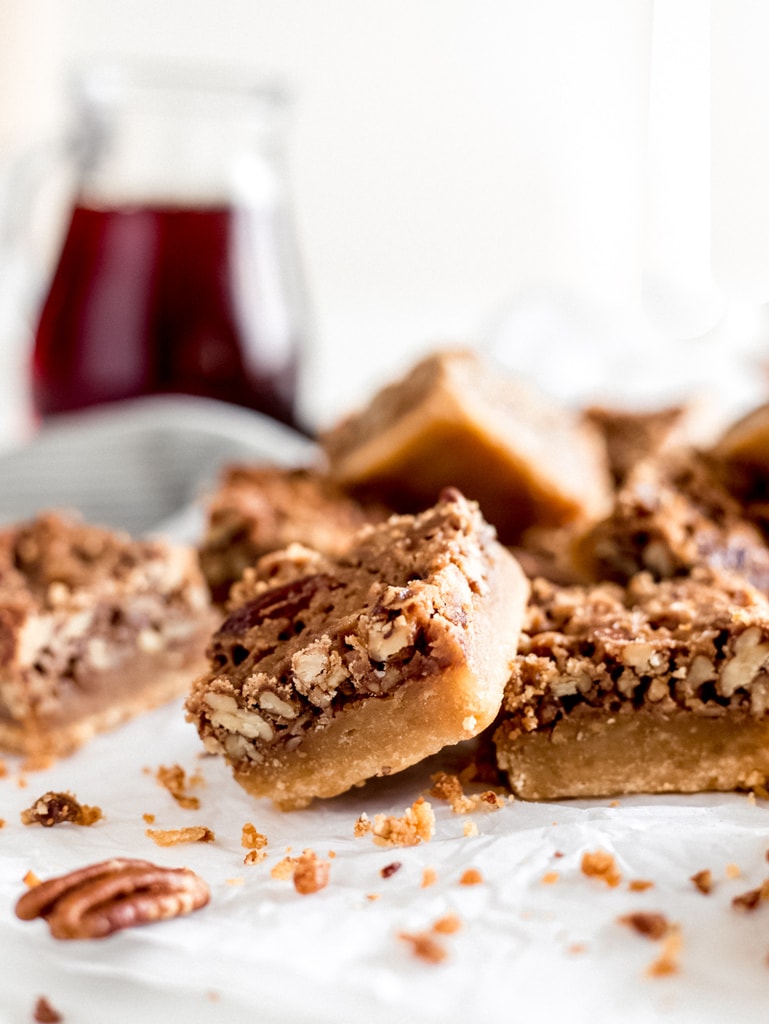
417 720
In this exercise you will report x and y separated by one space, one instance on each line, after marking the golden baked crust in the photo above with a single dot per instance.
455 420
262 508
330 671
94 628
655 687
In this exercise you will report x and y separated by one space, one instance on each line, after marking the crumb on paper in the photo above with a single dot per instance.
362 826
469 829
331 854
649 924
44 1013
558 854
372 897
732 871
600 864
255 857
310 873
424 946
284 869
239 880
56 808
750 900
576 948
669 960
251 839
174 779
429 877
448 787
417 825
31 880
471 876
148 819
447 925
175 836
614 803
389 869
640 884
549 878
703 880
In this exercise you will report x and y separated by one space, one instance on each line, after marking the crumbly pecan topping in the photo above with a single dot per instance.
94 901
54 808
699 644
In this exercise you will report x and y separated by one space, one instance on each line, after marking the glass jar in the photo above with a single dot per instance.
179 270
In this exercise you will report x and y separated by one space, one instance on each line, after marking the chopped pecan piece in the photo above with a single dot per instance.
54 808
425 946
96 900
750 900
45 1013
703 880
389 869
652 925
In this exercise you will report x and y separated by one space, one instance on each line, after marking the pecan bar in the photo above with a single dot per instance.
331 671
262 508
657 687
94 628
455 420
671 517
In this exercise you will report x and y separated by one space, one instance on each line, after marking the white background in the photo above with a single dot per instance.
480 170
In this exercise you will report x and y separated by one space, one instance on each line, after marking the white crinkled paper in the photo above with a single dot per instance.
528 950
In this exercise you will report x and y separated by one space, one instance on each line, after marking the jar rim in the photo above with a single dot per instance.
207 85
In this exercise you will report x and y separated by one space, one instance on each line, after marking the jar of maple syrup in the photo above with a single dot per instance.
178 269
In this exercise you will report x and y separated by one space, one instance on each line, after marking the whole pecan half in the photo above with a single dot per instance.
96 900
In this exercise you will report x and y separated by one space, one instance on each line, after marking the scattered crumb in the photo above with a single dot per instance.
373 896
469 829
331 854
31 880
549 878
651 925
639 884
250 839
284 869
174 779
212 996
576 948
668 962
600 864
424 946
614 803
362 826
750 900
703 880
449 787
149 819
471 876
447 925
235 881
44 1013
732 871
21 782
389 869
429 877
174 836
255 857
55 808
3 769
310 873
416 826
2 822
558 854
